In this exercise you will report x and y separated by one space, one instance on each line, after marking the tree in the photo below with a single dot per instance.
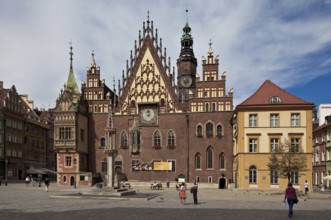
286 159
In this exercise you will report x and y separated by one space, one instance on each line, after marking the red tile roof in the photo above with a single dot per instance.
268 90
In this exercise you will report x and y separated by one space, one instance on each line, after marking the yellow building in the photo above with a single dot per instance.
262 122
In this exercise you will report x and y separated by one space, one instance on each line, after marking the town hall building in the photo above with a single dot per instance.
158 124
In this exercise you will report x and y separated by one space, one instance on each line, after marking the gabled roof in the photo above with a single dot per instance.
270 94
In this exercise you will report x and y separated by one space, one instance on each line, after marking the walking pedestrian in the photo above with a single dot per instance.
182 193
322 187
46 183
306 187
27 180
168 182
290 196
194 191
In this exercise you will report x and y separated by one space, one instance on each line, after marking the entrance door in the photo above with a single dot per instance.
222 183
72 181
19 174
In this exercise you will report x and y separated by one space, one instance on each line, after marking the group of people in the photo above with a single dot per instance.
29 179
182 193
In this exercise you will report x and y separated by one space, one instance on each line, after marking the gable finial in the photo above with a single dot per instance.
93 60
148 17
210 51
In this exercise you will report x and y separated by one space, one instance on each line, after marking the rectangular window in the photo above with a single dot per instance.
323 156
274 120
295 177
67 133
274 177
252 175
295 144
61 133
104 166
173 165
253 120
252 145
274 143
68 161
295 119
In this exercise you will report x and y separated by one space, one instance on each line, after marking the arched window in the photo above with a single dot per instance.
157 138
135 137
64 179
213 107
222 161
207 107
209 158
199 131
133 104
102 142
197 161
219 130
209 129
252 175
124 140
171 139
162 103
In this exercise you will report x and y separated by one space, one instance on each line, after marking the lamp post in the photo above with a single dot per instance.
6 171
75 165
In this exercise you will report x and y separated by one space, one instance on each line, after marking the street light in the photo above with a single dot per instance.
6 171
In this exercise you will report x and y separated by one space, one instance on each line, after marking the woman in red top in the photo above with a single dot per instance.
290 195
182 193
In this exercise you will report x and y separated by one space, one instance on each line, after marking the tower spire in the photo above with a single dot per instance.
186 14
187 43
71 82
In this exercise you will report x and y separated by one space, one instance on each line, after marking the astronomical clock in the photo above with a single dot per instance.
148 115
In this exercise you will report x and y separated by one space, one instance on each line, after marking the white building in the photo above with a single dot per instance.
323 111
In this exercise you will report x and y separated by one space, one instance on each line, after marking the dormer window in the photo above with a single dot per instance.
275 100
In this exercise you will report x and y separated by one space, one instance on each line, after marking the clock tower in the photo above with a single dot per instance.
186 66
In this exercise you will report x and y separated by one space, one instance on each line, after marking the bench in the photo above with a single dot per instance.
156 186
125 185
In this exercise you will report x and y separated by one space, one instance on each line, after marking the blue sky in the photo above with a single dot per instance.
285 41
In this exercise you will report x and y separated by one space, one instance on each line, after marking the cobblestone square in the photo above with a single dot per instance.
20 202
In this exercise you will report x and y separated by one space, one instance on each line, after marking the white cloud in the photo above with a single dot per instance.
256 40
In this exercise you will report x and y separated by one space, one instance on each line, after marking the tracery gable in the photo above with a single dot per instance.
148 83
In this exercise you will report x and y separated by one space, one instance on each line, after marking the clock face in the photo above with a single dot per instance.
186 81
148 114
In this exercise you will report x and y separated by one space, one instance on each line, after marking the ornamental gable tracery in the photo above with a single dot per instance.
148 86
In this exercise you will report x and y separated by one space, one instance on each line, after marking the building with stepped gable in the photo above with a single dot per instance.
161 123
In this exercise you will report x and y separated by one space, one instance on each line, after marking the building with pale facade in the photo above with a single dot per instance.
262 122
324 110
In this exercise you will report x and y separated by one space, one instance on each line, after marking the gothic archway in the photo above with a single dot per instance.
72 181
222 183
